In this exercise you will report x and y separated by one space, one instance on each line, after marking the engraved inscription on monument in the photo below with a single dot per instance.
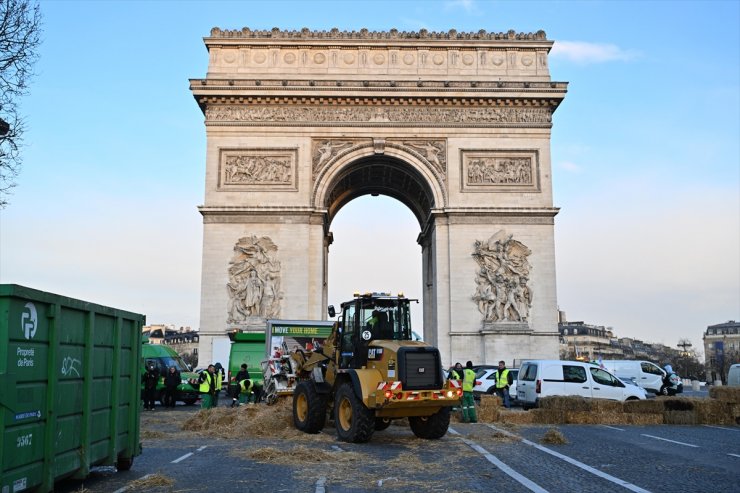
502 293
499 171
258 169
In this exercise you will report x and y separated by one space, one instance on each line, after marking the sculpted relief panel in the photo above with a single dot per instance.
249 169
502 293
254 281
491 171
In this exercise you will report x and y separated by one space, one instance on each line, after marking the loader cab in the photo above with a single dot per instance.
372 316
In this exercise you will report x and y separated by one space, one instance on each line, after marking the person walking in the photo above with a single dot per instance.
468 403
207 387
504 381
456 373
171 380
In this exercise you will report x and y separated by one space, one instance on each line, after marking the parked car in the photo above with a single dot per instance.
733 376
486 382
542 378
647 375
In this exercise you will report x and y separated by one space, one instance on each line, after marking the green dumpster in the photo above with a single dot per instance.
69 388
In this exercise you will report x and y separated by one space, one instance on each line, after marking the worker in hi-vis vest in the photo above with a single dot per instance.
468 403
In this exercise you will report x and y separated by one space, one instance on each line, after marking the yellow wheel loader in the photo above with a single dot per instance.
370 371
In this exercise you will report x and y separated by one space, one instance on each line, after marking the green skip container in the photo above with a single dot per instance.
70 377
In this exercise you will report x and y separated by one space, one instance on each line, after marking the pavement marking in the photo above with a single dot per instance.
125 488
574 462
672 441
526 482
734 455
722 428
321 485
612 427
180 459
201 449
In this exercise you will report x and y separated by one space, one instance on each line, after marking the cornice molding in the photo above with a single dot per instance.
365 34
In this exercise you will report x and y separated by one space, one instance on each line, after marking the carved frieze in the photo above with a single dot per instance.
258 169
502 293
379 115
254 281
499 170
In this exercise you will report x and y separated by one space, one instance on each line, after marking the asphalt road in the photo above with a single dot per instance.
471 458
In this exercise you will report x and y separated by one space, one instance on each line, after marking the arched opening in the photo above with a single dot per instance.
384 203
375 249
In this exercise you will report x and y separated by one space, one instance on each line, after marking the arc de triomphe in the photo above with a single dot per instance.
454 125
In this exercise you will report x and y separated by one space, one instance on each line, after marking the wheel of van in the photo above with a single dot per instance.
382 423
431 427
189 402
309 408
664 390
124 463
353 421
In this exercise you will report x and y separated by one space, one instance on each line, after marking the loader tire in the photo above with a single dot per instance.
354 422
431 427
309 408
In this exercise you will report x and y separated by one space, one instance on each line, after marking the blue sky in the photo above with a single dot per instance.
645 150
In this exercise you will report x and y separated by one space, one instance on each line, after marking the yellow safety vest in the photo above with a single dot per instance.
218 380
502 378
454 375
205 385
246 390
468 380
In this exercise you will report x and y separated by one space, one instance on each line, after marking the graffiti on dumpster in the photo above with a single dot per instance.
68 366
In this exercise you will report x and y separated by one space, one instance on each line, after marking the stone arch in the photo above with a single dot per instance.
397 172
456 126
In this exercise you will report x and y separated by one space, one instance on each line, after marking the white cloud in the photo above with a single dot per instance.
570 166
585 53
466 5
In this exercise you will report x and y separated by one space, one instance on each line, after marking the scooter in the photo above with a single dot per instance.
671 385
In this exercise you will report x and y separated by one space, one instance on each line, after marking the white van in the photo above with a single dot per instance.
542 378
647 375
733 376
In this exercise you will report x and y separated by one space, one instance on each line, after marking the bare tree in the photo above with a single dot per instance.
20 29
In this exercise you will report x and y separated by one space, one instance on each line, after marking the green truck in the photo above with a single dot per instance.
249 348
163 357
70 373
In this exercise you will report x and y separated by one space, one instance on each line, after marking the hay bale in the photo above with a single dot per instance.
680 418
727 394
565 403
606 406
650 406
581 418
644 419
714 412
488 409
679 403
516 417
548 416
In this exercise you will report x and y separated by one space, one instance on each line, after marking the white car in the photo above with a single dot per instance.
541 378
486 382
